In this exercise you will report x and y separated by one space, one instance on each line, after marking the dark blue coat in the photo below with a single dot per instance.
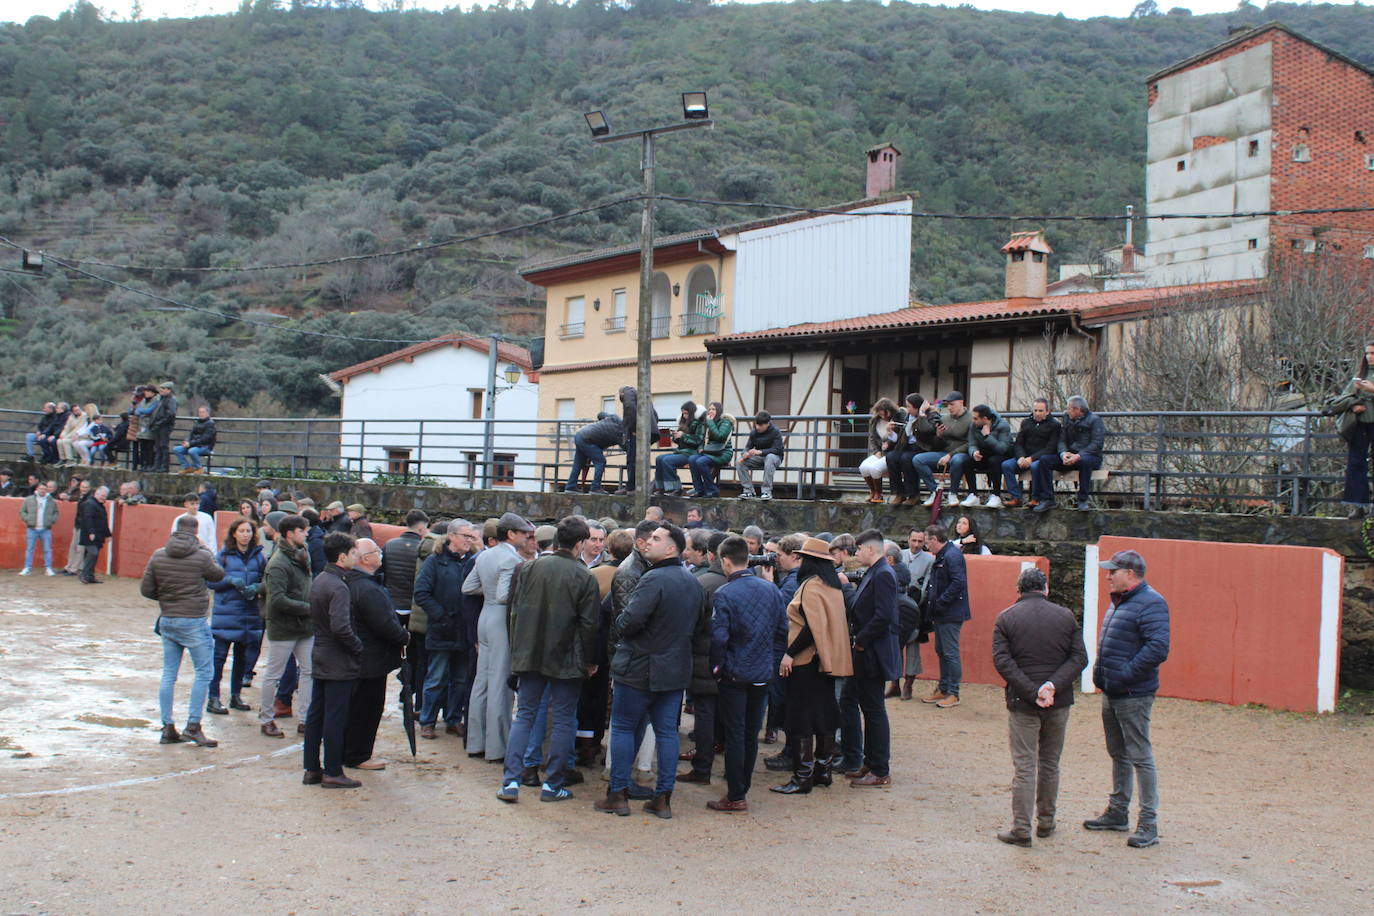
314 543
1134 643
947 586
749 617
236 616
439 593
874 617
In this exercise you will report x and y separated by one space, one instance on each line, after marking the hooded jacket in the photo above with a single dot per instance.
175 576
286 583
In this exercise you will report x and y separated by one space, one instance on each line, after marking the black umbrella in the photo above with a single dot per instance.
407 703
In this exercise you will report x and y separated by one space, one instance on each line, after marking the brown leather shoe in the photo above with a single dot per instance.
661 806
1012 838
897 500
458 730
613 803
729 807
338 782
193 734
427 731
270 730
934 696
1011 503
300 728
281 710
860 773
312 777
871 781
948 702
894 690
907 682
692 776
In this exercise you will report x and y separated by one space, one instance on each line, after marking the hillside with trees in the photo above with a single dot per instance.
301 133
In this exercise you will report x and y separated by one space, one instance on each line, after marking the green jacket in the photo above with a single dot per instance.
419 620
719 431
956 431
691 440
553 617
1343 405
287 585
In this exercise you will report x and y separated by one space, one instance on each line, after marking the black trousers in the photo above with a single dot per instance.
901 473
143 454
162 454
88 562
364 715
326 723
704 711
592 704
741 713
417 666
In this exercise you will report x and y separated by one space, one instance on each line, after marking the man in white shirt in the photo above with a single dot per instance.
205 522
39 514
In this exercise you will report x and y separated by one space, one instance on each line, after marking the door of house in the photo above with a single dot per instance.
855 386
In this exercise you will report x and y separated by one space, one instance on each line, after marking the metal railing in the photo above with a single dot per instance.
1289 462
614 323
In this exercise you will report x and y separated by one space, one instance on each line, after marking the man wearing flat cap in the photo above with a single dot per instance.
161 421
953 428
359 526
1133 644
489 709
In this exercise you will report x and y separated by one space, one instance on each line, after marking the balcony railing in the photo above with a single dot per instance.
659 326
614 324
693 324
571 329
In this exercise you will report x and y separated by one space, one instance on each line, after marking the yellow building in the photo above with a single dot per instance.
851 260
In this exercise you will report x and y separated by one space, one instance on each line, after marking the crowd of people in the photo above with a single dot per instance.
908 446
541 648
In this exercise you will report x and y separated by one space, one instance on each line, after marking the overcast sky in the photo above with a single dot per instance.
20 10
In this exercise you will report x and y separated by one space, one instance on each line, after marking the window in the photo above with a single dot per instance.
502 470
473 460
1037 256
575 317
398 461
1304 245
777 395
1301 153
565 411
476 394
617 320
1252 244
1181 165
608 404
1369 162
1254 148
1369 251
1018 255
662 301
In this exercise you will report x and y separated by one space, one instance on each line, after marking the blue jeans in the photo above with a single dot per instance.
1356 466
1010 483
30 440
448 671
100 453
534 750
665 471
703 471
947 649
190 457
631 708
585 453
562 695
35 536
193 635
1042 479
1126 724
925 464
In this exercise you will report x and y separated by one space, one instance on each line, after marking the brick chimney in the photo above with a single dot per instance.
1027 266
882 169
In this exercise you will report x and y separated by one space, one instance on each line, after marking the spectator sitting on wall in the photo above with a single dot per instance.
1080 449
589 449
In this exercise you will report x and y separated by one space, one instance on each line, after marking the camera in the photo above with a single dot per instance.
766 560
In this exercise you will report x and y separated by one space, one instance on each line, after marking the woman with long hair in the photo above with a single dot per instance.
236 620
716 450
1355 407
967 536
818 651
688 437
885 425
249 510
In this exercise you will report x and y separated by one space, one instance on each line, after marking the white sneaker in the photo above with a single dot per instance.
766 495
930 500
25 571
970 501
994 501
50 572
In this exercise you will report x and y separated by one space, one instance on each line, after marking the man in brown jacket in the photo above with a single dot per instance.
1037 647
176 577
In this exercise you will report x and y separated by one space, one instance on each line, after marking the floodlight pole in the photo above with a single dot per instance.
644 436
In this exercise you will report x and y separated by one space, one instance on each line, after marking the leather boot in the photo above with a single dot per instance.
614 803
802 773
893 690
193 734
170 736
875 489
820 773
907 681
661 806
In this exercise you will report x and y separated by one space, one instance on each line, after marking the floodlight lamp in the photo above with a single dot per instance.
599 124
33 260
694 106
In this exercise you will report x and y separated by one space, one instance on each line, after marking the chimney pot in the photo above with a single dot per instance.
1028 265
882 169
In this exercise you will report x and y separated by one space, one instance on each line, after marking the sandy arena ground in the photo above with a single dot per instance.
1262 811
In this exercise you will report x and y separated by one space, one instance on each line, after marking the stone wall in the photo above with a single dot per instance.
1059 535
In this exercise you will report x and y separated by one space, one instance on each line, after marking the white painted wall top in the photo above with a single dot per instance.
822 269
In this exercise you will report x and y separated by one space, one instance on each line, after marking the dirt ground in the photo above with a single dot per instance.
1261 811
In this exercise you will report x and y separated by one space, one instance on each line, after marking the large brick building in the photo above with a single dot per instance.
1268 120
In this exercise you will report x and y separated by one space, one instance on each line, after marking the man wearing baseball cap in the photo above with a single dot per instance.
1133 644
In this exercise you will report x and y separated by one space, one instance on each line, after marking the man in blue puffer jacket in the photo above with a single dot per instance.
748 616
1133 644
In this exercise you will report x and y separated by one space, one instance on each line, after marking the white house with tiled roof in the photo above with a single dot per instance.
418 411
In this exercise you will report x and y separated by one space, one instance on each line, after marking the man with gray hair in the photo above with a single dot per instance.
753 536
1081 437
1038 649
92 529
1133 644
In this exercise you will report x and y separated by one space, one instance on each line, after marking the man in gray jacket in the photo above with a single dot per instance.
651 667
335 661
39 513
176 577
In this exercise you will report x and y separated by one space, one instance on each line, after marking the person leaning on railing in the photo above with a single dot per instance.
1355 407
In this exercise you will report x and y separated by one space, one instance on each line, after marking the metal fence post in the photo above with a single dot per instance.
1300 489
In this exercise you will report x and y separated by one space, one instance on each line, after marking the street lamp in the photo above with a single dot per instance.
512 374
694 114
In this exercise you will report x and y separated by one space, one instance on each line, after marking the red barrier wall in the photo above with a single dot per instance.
139 530
1248 623
991 590
383 533
13 536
